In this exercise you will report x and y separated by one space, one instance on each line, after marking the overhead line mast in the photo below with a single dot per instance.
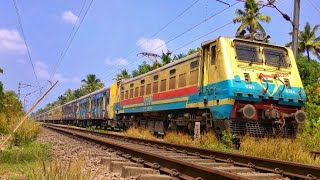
295 31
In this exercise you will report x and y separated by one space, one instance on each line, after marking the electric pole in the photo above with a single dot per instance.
295 31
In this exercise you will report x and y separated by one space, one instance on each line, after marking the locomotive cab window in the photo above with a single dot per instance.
275 57
247 52
213 55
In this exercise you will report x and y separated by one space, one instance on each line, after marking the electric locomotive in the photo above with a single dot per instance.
248 87
245 86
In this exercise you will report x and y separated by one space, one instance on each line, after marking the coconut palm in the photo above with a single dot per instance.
250 17
91 83
122 75
307 41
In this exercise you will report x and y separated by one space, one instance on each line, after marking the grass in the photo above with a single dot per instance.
17 159
59 171
281 149
140 133
207 140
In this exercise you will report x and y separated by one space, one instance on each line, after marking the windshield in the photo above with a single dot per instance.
275 57
246 52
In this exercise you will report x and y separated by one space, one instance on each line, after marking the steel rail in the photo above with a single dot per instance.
184 170
288 169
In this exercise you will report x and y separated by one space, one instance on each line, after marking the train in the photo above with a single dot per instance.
246 86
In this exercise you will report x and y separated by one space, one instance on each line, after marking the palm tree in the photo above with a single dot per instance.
122 75
307 41
92 83
250 17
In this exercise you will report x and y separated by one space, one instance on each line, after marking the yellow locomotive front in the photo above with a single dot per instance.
260 83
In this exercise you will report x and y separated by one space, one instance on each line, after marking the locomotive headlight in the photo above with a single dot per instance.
248 111
300 116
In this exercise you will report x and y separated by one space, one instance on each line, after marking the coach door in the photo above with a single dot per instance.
214 73
203 75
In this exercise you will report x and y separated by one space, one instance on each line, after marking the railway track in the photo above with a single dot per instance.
184 162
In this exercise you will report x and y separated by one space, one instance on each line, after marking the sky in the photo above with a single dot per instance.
111 35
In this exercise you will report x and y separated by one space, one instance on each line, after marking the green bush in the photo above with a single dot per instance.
27 133
24 154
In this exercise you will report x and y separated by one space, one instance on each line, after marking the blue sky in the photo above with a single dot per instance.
110 31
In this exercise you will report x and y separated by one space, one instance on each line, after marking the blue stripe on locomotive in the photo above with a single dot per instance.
233 89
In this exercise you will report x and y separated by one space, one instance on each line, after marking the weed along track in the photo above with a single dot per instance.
147 158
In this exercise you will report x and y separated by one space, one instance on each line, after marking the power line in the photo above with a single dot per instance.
70 36
314 6
156 33
25 39
203 36
71 40
179 35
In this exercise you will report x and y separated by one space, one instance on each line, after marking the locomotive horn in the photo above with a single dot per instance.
300 116
248 111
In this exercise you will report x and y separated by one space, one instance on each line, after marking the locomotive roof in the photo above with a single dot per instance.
240 39
192 56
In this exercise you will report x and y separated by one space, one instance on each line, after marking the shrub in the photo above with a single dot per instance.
309 135
27 153
27 133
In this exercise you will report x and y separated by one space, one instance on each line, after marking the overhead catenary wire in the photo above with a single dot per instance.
68 40
63 53
314 6
179 35
25 41
156 33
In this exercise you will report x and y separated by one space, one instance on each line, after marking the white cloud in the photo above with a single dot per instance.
44 74
76 80
11 41
118 61
22 61
69 17
152 45
42 70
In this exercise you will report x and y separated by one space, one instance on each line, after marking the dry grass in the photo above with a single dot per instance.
140 133
207 140
59 171
281 149
179 138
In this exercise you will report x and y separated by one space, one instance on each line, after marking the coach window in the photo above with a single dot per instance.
194 72
127 94
155 87
213 55
136 92
131 93
163 85
141 90
182 80
148 90
172 82
122 95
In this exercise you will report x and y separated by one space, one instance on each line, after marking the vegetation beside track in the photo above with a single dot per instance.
21 151
55 170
